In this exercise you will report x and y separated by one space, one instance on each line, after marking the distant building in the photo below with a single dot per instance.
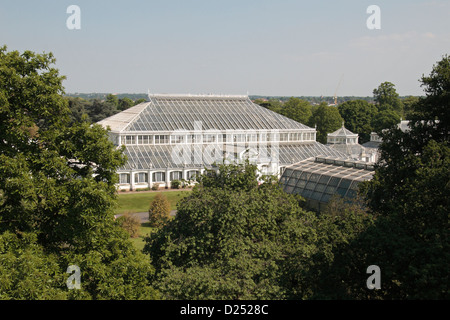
346 142
375 140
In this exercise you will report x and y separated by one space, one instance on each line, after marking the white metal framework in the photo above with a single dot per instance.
318 179
175 137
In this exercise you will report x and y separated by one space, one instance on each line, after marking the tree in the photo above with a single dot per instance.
159 211
130 223
139 101
272 104
358 117
409 191
408 106
387 98
430 118
230 238
57 184
78 108
125 103
298 110
27 272
327 119
99 110
112 100
337 269
385 119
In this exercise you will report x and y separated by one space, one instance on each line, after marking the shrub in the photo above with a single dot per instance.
155 186
130 223
159 212
175 184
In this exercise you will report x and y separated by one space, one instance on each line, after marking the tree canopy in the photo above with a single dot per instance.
386 97
410 191
57 187
358 117
327 119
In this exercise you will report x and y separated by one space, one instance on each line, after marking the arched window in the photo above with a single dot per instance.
140 177
159 177
124 178
193 174
176 175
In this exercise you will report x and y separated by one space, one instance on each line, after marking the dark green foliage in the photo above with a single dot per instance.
230 177
125 103
409 105
139 101
57 187
358 117
336 270
385 119
327 119
271 104
96 109
27 272
431 116
112 100
298 110
410 191
175 184
387 98
230 239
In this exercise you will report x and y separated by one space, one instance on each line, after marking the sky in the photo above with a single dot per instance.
255 47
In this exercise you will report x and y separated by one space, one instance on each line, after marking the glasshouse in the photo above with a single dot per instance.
320 178
176 137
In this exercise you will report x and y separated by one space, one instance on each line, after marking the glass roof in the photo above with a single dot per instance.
177 112
320 179
151 157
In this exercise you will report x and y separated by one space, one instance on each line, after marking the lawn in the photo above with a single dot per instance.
140 201
144 231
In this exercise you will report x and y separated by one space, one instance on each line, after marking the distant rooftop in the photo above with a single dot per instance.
342 132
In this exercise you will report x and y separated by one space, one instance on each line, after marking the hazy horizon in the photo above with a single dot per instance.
254 47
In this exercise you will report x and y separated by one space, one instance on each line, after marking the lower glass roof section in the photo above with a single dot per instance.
153 157
321 177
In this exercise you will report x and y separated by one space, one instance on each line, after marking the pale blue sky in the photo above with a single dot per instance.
260 47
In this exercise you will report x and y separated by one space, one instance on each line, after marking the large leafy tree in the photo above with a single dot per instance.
387 98
297 109
233 239
409 105
327 119
410 192
125 103
385 119
99 110
358 116
57 184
